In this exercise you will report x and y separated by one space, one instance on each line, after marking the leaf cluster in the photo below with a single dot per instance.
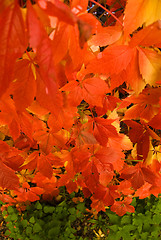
80 101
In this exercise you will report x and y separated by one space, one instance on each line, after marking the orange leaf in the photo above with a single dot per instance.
141 12
8 178
106 36
112 60
155 122
149 64
44 166
91 90
122 207
58 9
38 39
13 43
132 74
148 36
24 85
103 130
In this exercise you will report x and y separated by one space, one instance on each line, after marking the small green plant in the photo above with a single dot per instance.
144 224
41 221
69 220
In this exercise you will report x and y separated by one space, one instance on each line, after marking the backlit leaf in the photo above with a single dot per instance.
141 12
13 43
8 178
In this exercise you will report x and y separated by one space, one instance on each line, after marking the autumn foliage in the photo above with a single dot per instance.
80 101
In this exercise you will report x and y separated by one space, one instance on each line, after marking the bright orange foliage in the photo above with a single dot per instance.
80 101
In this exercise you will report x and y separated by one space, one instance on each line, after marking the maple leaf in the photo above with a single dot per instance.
155 122
143 191
8 178
109 103
110 156
36 109
56 123
44 166
42 43
148 36
23 88
26 125
71 186
48 185
27 193
125 187
138 175
122 207
41 162
104 195
60 42
91 90
106 172
141 134
58 120
106 36
80 159
78 54
146 104
13 42
78 6
58 9
45 99
103 130
112 60
149 64
133 75
139 13
87 23
91 176
8 116
13 159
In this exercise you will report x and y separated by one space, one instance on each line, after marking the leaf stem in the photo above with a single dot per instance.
29 56
98 4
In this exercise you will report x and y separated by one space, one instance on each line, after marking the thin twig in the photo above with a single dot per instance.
107 11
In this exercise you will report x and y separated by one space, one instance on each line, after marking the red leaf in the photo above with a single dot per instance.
91 90
24 86
13 43
106 36
112 60
139 13
133 174
38 39
80 160
44 166
138 175
58 9
155 122
103 193
8 178
122 207
104 130
91 176
110 156
148 36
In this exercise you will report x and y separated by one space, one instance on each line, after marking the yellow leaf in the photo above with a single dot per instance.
149 64
141 12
